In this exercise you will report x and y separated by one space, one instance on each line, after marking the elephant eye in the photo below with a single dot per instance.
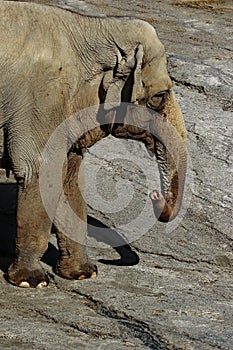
157 101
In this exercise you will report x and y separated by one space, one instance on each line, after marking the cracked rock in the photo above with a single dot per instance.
177 291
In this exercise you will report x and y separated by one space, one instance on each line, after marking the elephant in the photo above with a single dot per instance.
54 63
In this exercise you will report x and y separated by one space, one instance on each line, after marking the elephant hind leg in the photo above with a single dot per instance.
71 229
33 230
73 262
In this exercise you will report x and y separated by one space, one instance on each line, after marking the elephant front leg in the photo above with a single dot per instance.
71 226
33 229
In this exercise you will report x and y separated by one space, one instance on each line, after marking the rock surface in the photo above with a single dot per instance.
180 294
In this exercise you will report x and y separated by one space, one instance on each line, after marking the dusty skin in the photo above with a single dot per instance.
179 296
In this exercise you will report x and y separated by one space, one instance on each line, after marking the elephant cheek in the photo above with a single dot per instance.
173 114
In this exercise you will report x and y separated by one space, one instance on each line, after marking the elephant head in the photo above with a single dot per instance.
140 76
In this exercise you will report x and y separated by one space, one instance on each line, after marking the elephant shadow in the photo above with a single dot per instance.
8 200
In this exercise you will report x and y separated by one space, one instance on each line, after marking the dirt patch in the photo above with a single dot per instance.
206 4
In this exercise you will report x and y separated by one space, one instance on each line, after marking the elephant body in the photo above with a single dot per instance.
53 64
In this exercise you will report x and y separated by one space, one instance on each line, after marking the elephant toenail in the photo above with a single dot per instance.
94 275
24 284
42 285
82 277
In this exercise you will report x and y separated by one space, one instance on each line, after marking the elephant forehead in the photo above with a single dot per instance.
157 85
155 76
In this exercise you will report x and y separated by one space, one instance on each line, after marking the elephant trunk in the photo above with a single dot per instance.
171 154
164 134
172 166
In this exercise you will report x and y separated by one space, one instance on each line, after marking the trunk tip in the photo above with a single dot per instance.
163 210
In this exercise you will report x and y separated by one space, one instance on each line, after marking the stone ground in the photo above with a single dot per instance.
180 294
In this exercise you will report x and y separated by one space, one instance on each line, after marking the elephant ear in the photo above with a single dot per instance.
138 90
124 83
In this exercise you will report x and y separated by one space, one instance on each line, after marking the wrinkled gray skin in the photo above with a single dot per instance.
54 63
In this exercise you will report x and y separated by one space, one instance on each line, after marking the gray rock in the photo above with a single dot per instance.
180 294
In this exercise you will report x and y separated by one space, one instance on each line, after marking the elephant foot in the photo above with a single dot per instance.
79 272
27 278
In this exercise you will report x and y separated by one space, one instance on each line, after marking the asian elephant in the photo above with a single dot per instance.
54 63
